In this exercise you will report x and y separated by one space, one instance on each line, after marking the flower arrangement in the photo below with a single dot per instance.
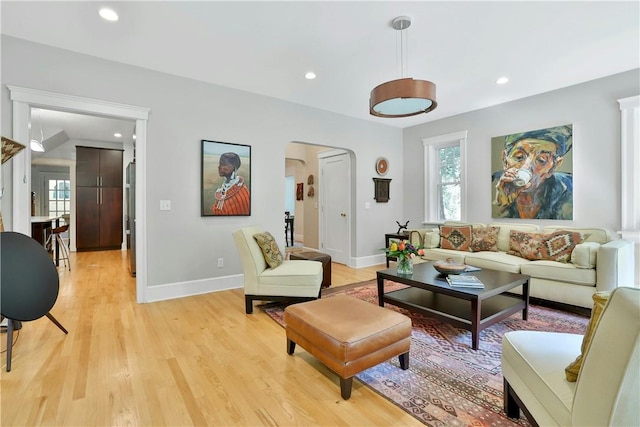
403 249
404 252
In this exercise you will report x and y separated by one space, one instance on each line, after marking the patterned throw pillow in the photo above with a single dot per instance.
524 245
484 239
599 302
270 249
456 237
556 246
559 246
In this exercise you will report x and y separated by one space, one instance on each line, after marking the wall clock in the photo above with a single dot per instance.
382 166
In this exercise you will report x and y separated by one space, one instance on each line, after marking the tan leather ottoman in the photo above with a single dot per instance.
348 335
320 257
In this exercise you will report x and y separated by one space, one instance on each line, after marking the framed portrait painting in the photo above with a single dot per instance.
532 174
226 179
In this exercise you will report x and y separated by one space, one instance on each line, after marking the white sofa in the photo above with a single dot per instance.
599 263
607 390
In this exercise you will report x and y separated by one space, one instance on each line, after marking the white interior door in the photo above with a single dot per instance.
335 175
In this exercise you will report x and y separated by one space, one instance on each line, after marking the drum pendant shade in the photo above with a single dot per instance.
403 97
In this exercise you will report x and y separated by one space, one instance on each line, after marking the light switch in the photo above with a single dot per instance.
165 205
367 205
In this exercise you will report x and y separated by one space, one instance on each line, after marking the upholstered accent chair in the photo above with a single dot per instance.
607 390
292 280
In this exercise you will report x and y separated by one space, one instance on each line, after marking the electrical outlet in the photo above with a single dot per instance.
220 262
165 205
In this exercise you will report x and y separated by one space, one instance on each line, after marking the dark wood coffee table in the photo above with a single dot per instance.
467 308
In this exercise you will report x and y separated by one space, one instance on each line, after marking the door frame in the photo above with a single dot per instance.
23 99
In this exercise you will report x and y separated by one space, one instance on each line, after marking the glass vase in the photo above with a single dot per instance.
405 265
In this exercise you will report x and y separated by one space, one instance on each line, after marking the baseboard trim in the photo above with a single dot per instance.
194 287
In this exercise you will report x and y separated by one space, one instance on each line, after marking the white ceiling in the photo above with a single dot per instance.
60 131
80 126
266 47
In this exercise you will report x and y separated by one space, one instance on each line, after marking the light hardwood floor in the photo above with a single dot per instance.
192 361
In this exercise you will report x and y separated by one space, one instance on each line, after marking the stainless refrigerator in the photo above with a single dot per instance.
131 217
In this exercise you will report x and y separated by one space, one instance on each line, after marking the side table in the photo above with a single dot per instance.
389 236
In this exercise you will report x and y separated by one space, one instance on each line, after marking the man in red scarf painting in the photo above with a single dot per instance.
232 198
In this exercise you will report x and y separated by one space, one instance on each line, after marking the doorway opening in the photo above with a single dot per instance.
318 199
61 133
23 99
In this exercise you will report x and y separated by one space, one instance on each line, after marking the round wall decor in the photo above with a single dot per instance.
382 166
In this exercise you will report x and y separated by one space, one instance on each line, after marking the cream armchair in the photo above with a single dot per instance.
293 280
607 391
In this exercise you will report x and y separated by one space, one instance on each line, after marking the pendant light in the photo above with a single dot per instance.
34 143
406 96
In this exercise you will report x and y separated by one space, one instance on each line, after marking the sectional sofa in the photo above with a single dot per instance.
566 264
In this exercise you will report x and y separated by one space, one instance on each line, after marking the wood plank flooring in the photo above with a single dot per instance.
193 361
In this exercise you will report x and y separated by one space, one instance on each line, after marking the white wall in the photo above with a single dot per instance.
183 112
593 110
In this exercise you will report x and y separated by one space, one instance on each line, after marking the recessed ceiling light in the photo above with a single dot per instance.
502 80
108 14
310 75
117 135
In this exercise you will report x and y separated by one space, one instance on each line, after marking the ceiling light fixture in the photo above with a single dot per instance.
117 135
108 14
502 80
34 143
310 75
403 97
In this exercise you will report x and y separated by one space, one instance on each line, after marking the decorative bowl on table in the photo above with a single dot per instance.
449 267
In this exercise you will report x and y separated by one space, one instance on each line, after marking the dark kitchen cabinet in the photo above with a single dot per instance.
98 167
98 198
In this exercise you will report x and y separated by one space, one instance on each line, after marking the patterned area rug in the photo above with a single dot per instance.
448 383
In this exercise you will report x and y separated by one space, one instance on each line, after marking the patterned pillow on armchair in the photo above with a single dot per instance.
270 249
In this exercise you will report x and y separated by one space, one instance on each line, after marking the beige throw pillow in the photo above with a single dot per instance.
432 238
599 302
585 254
270 249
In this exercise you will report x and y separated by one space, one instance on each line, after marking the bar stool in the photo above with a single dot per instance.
288 228
64 249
